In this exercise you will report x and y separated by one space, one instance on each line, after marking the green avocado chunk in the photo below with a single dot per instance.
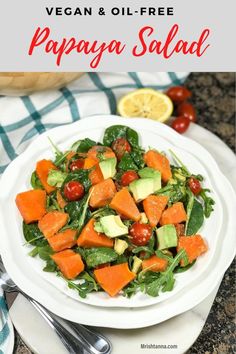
166 236
148 172
113 226
142 188
108 167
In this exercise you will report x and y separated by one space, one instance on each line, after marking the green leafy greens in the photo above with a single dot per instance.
100 255
196 218
120 131
152 283
35 181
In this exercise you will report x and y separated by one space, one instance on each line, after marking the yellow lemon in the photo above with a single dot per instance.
147 103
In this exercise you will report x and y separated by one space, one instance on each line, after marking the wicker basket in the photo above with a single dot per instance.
24 83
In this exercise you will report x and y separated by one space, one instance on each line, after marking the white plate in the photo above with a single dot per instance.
182 334
46 293
64 139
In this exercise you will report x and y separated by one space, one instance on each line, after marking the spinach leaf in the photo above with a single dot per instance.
32 234
83 145
101 255
196 218
74 209
121 259
81 251
120 131
132 137
44 253
127 163
137 155
35 181
79 215
81 176
190 201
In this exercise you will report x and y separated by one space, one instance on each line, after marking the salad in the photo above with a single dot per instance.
110 216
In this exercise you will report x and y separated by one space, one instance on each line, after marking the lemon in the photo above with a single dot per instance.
146 103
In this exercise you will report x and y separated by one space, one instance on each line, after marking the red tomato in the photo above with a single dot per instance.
194 185
73 190
141 233
187 110
120 146
77 164
128 177
180 124
178 94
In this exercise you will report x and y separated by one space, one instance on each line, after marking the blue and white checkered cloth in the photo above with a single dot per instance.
4 327
22 118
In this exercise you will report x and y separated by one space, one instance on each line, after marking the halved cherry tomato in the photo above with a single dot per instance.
187 110
178 94
141 233
77 164
180 124
128 177
120 146
73 190
194 185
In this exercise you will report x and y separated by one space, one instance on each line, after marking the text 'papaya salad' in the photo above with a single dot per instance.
111 216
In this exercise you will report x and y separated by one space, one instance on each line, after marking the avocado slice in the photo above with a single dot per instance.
113 226
166 236
120 246
141 188
136 265
108 167
143 218
148 172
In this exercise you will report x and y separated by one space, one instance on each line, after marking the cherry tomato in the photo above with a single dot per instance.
77 164
73 190
180 124
141 233
128 177
187 110
120 146
194 185
178 94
